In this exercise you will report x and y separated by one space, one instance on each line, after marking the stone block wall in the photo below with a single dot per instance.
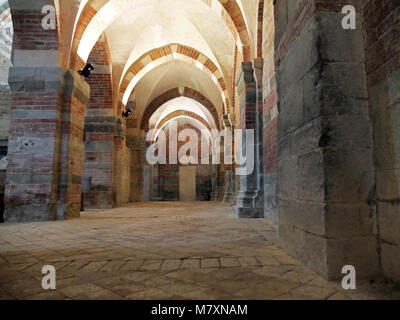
5 110
2 184
325 159
203 182
381 23
122 172
137 146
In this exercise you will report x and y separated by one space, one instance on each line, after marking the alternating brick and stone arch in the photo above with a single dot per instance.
168 53
173 94
182 113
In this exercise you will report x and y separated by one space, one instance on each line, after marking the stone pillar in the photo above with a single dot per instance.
249 201
136 143
218 182
229 187
100 126
122 165
75 93
156 184
99 155
325 169
45 155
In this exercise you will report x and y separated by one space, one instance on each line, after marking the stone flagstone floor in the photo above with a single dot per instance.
160 251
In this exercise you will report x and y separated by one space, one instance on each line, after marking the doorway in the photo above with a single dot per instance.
187 183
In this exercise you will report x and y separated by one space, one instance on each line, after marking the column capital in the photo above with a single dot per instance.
245 73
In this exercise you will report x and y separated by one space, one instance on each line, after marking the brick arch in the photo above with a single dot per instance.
169 53
185 113
177 114
235 13
88 13
173 94
101 81
229 11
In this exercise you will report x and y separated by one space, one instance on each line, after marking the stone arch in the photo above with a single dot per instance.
168 53
175 93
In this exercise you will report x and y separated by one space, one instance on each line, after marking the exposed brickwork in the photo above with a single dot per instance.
172 94
86 17
29 33
71 157
166 52
100 129
183 113
235 13
23 193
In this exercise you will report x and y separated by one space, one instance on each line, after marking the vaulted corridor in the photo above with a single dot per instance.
159 251
197 148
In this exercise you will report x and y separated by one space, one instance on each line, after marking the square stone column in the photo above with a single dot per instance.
326 170
249 200
99 159
46 144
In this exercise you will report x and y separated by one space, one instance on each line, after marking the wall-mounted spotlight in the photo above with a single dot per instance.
126 113
86 70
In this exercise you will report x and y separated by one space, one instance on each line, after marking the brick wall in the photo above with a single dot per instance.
381 22
29 33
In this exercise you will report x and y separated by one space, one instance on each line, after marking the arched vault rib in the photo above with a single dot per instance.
182 113
200 125
173 94
163 55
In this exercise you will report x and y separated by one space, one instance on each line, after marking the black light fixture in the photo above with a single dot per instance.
86 70
126 113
